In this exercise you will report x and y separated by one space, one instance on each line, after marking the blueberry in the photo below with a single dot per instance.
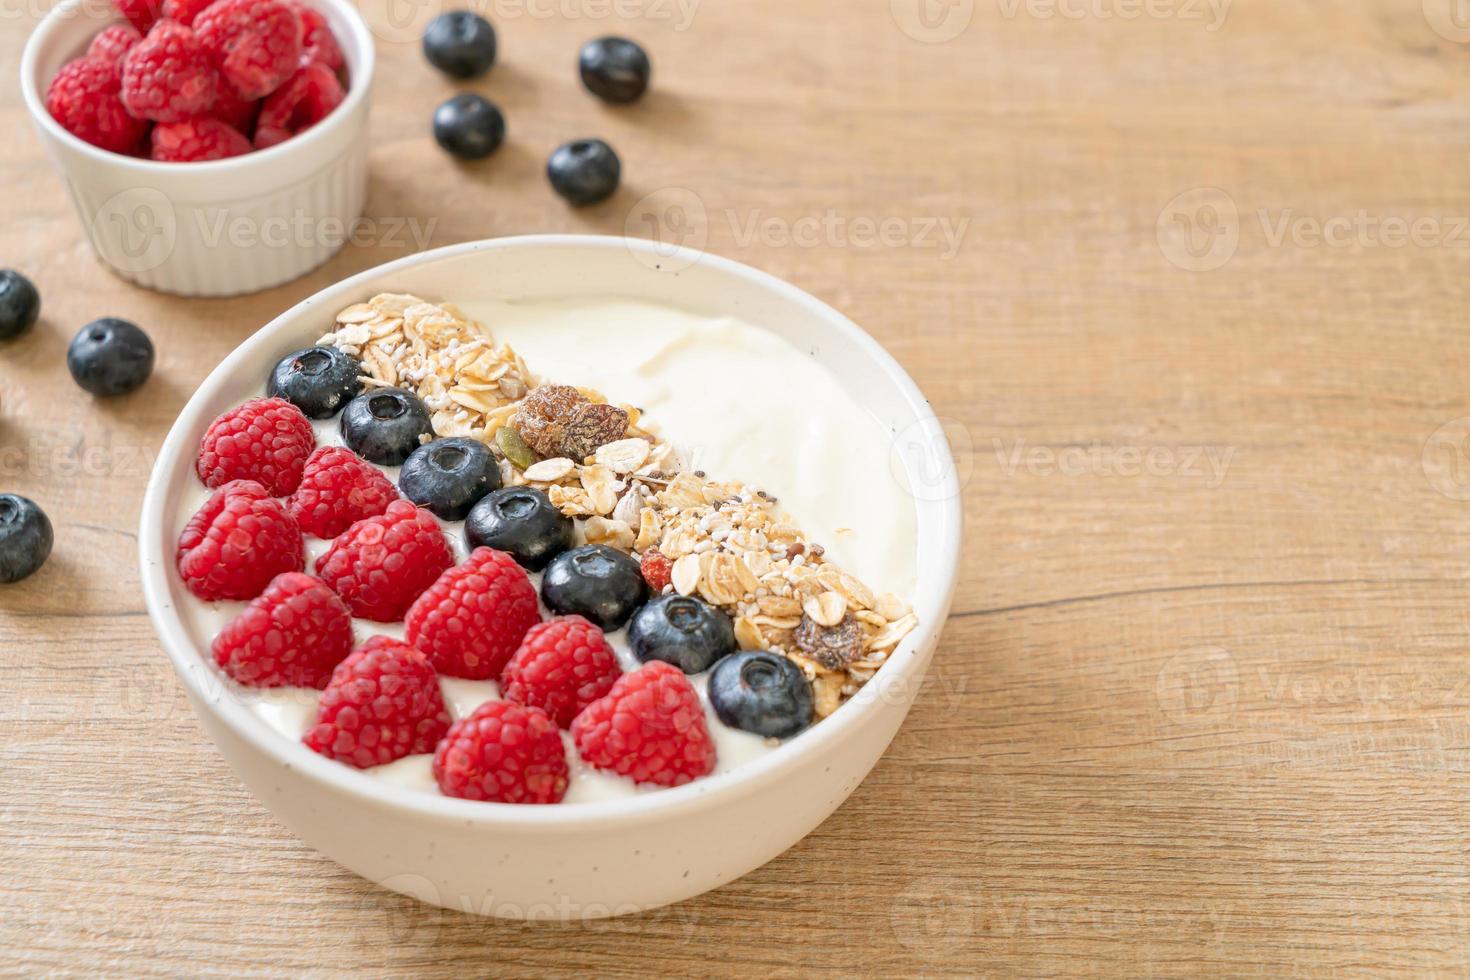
317 380
595 581
522 522
25 537
469 127
584 171
20 304
460 43
449 476
761 692
110 357
385 425
683 631
615 69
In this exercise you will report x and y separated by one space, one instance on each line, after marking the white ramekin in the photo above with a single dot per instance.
220 228
591 859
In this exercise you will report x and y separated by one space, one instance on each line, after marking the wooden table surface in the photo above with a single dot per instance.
1187 279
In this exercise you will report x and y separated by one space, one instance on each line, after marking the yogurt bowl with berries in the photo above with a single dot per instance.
209 148
577 566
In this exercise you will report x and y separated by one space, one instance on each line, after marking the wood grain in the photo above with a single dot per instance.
1202 707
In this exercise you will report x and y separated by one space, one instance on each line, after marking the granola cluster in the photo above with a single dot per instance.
469 383
730 543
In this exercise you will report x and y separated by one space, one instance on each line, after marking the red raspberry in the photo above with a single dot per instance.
650 726
266 440
85 98
197 140
300 104
380 565
184 11
658 570
238 113
256 44
338 489
167 77
382 703
472 619
291 635
318 43
503 753
238 541
142 14
562 666
114 42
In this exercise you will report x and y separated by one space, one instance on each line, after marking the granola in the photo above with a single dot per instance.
729 543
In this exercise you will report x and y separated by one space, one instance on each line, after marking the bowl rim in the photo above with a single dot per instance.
191 664
359 86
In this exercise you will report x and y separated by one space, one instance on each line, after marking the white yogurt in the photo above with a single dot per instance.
740 401
743 404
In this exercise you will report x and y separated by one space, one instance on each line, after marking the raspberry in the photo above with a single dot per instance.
657 570
298 105
291 635
256 44
318 43
231 109
142 14
472 619
266 440
562 666
382 703
503 753
85 98
184 11
238 541
197 140
650 726
338 489
114 42
167 77
380 565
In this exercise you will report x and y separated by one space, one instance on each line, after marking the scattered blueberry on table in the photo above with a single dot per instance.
522 522
469 126
25 537
20 304
386 425
584 171
681 630
110 357
615 69
450 476
595 581
460 43
761 692
317 380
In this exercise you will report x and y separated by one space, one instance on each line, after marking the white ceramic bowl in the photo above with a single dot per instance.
219 228
590 859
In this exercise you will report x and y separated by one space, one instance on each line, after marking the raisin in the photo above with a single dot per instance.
557 420
592 426
834 647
